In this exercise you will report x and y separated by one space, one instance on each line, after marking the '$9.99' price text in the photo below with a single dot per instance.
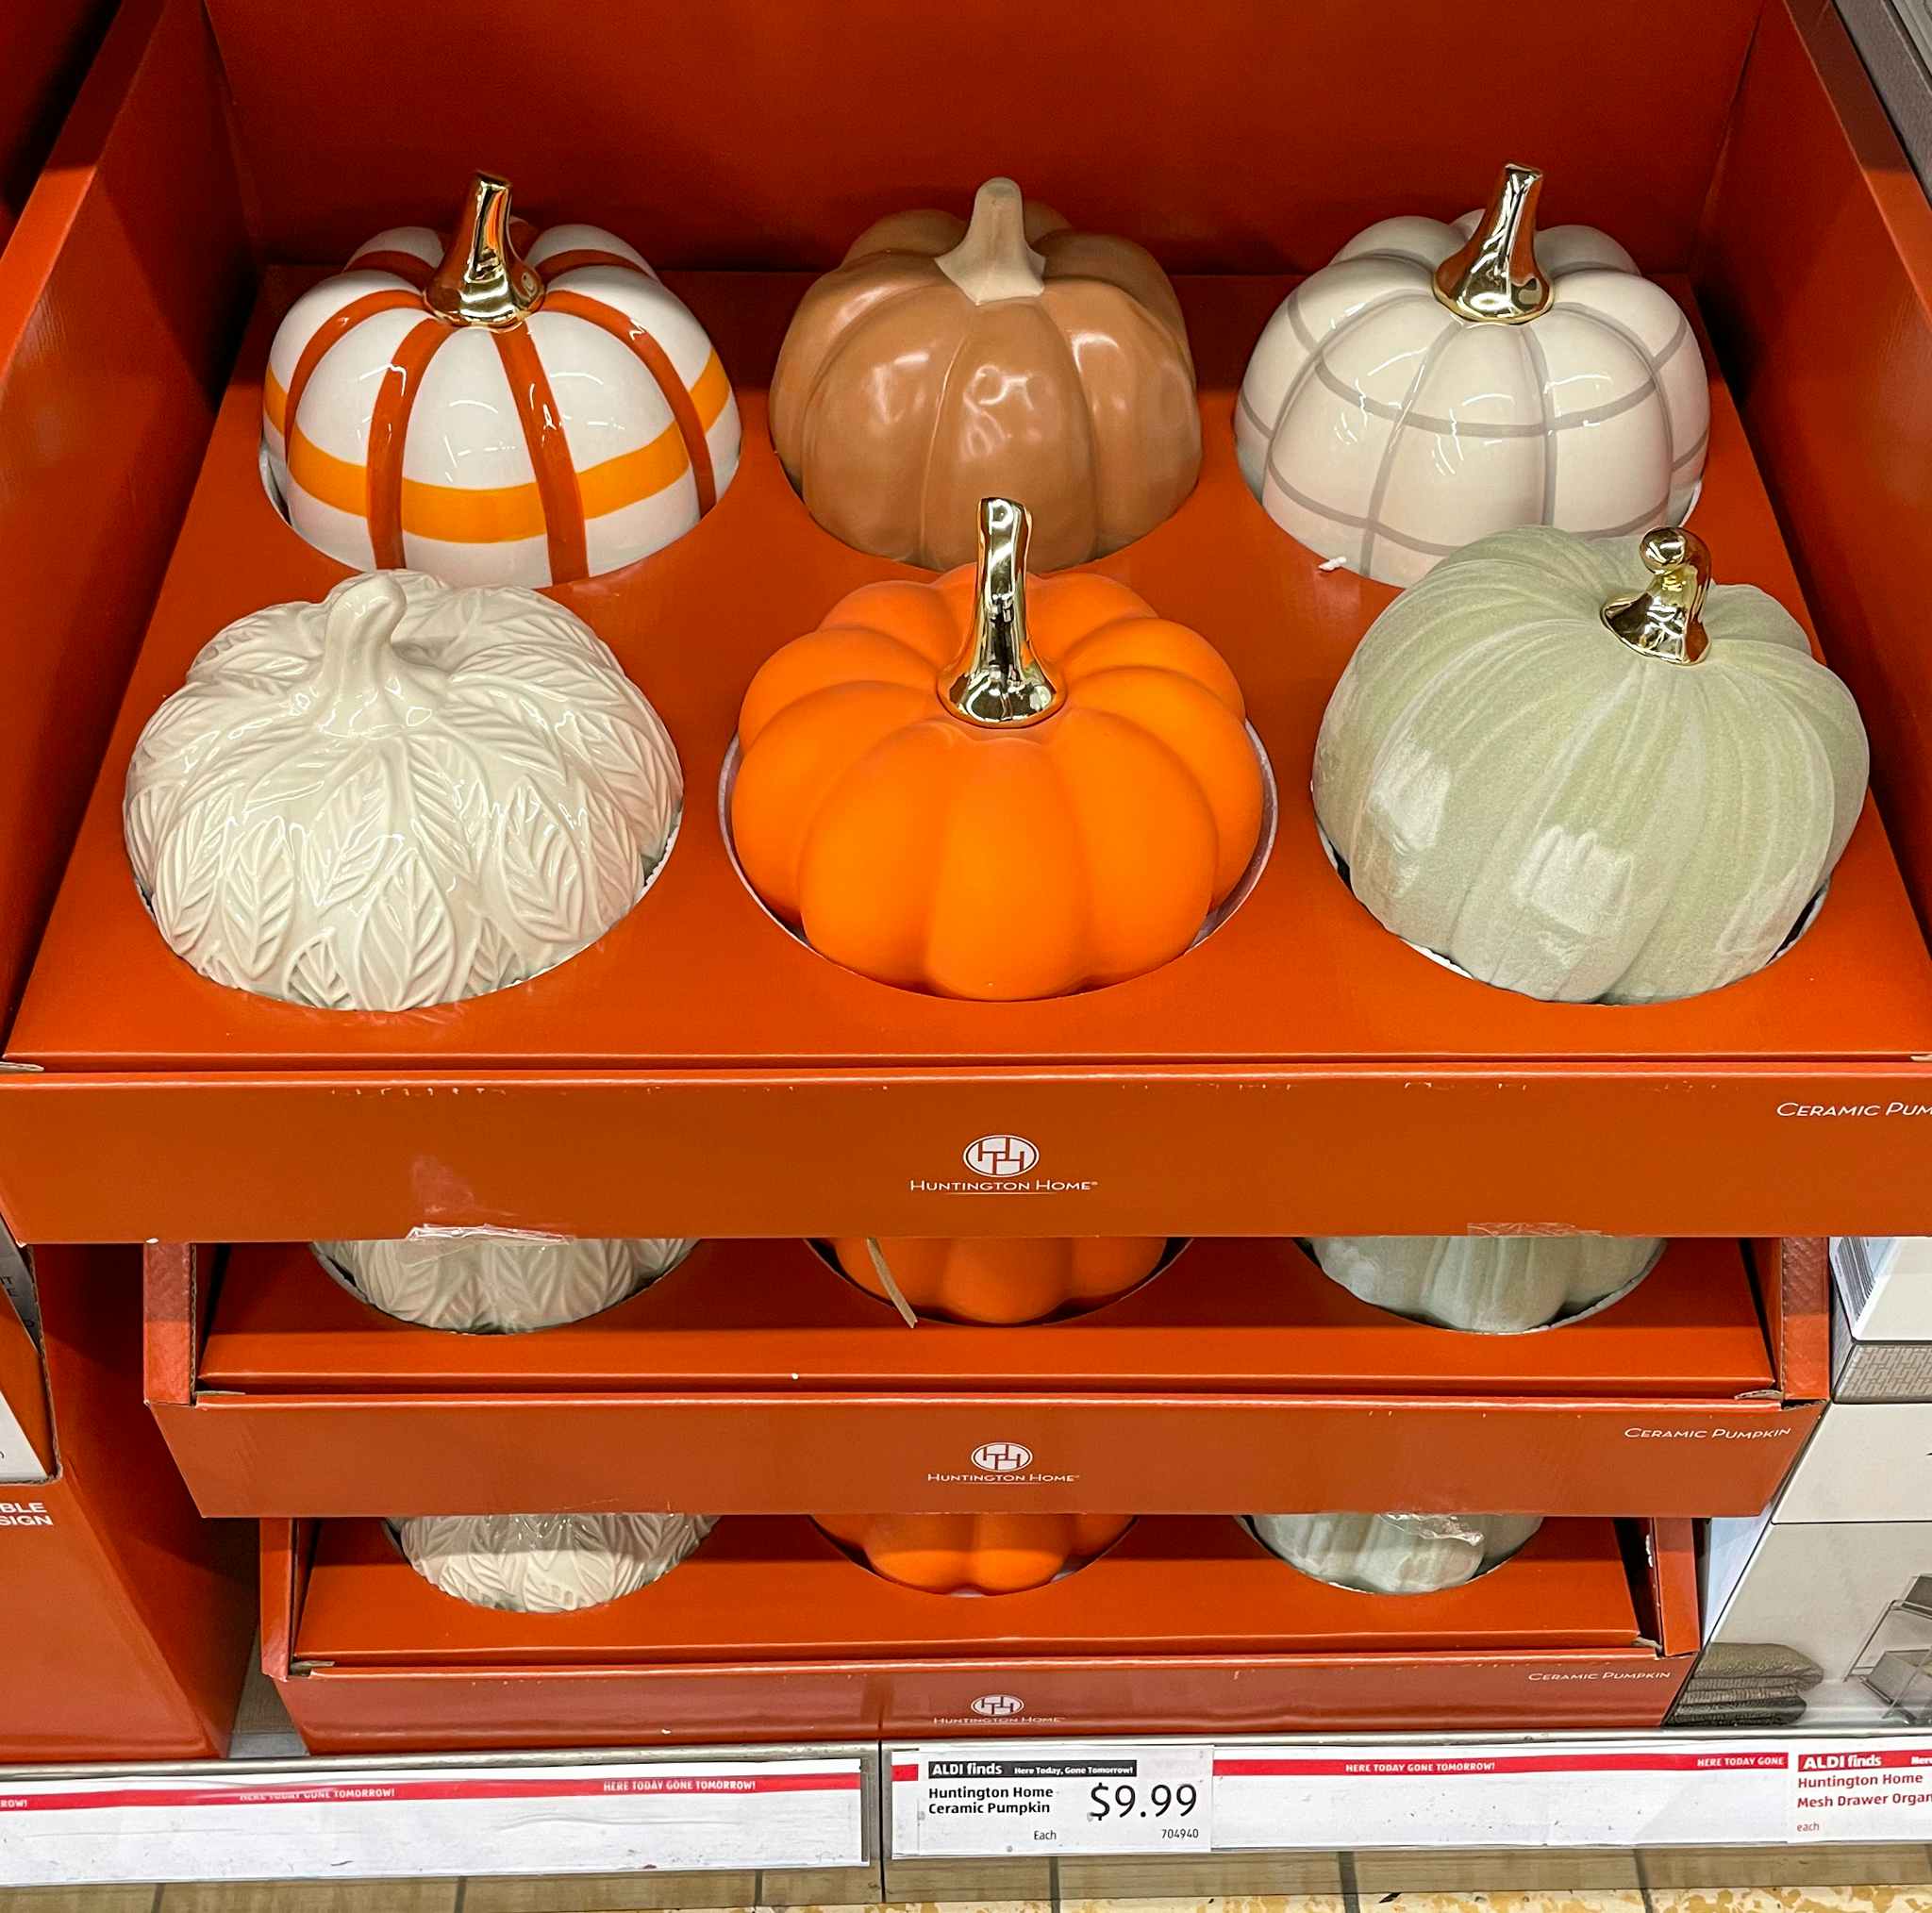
1121 1800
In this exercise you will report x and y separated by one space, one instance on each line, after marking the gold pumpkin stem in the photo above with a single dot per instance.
998 680
1662 622
993 259
1495 277
483 280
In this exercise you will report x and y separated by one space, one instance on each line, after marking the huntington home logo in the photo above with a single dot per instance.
996 1461
998 1707
1001 1164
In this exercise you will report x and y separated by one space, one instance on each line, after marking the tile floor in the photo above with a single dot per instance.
590 1894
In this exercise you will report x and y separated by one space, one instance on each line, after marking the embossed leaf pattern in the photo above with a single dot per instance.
407 954
542 871
257 898
484 802
501 1283
547 1563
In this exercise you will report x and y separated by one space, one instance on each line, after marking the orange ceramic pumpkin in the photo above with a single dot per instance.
974 1553
944 360
990 1279
995 786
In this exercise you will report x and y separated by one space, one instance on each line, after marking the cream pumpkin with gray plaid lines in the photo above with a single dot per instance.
406 794
1437 383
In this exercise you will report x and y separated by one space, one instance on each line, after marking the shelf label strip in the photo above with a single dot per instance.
614 1818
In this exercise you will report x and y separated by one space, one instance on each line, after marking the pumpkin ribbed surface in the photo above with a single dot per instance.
976 1553
1514 786
547 1563
999 1280
500 1284
1395 1553
580 438
1048 366
885 825
1379 427
1494 1285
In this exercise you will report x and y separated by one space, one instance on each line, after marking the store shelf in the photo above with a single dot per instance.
756 1379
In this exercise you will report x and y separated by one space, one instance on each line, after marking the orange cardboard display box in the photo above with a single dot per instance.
755 1378
1185 1625
128 1618
700 1071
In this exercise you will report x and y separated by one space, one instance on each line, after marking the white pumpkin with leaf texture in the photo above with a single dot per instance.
489 1283
547 1563
1395 1553
1436 383
406 794
1492 1285
1582 785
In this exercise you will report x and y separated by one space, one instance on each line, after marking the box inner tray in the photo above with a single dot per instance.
1250 1315
699 975
775 1588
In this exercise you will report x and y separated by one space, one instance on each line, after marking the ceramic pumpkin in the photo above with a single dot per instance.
1437 383
1585 785
1060 713
404 795
547 1563
974 1553
502 408
1000 1279
1395 1553
946 360
1492 1285
489 1282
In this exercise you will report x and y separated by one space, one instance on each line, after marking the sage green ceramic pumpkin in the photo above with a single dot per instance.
1492 1285
1394 1554
1585 784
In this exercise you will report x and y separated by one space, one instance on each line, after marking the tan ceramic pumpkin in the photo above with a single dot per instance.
945 361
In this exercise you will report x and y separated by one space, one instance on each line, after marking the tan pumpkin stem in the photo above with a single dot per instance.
483 280
889 1282
993 261
363 687
1662 622
998 680
1494 276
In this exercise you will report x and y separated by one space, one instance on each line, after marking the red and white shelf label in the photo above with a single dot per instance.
614 1818
982 1799
987 1799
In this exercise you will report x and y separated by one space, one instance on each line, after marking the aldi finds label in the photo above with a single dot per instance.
1861 1790
1062 1797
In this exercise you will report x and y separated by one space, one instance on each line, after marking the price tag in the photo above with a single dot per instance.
1872 1790
1052 1797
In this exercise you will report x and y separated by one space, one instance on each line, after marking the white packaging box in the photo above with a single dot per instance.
1881 1329
1819 1612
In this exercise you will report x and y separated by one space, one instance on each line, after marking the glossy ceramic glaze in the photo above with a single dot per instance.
1395 1553
999 1278
1379 427
1492 1285
974 1553
585 436
547 1563
925 850
1512 786
404 795
485 1282
943 362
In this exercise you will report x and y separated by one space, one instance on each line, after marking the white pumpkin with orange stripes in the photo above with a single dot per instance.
508 408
